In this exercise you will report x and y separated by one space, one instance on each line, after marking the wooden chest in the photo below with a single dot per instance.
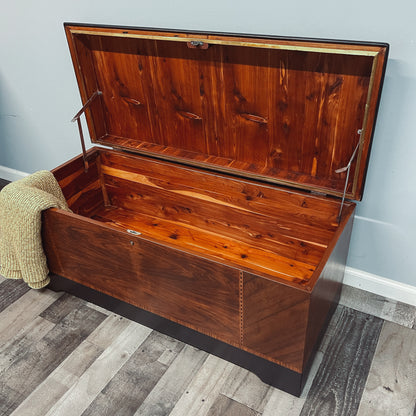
224 209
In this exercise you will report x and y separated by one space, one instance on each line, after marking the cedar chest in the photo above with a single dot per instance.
222 214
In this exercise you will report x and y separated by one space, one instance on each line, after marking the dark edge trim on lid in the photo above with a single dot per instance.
247 35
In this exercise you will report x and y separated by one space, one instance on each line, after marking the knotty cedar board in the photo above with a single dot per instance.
275 319
289 111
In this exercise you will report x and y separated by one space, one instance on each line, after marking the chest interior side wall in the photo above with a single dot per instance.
278 233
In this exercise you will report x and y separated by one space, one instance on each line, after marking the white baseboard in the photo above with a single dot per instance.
11 174
380 286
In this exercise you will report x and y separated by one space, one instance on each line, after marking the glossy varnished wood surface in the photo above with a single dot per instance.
326 293
211 245
212 251
249 195
237 260
82 189
298 318
275 320
268 371
198 293
283 111
261 228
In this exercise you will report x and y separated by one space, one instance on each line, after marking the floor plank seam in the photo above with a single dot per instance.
239 402
358 362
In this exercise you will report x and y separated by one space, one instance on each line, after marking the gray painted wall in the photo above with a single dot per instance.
38 93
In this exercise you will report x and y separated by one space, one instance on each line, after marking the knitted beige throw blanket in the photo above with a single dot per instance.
21 206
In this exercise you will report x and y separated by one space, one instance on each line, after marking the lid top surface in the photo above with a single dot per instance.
281 110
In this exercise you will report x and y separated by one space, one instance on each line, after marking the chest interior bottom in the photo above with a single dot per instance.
260 227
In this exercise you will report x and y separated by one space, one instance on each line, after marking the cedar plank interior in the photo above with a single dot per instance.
291 116
262 228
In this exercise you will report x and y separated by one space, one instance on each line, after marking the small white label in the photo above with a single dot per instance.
133 232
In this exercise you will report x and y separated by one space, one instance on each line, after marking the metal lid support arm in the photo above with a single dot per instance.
77 118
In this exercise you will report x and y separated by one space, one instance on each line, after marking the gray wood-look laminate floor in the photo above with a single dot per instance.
60 355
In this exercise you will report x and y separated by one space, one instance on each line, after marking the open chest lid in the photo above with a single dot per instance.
291 111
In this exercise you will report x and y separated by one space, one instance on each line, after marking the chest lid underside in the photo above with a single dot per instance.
288 111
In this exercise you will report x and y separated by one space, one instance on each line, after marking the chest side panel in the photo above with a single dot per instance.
274 320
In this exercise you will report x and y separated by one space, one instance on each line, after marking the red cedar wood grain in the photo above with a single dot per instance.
281 115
